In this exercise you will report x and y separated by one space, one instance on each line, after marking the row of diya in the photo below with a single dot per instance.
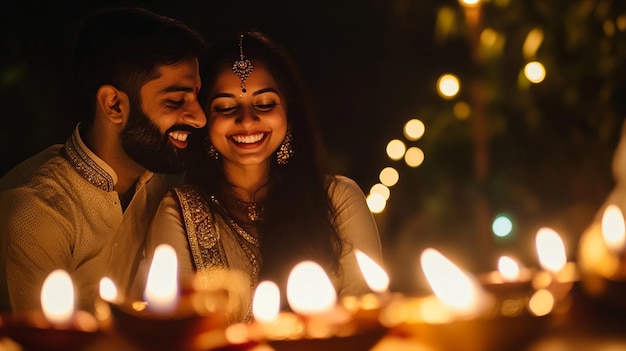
488 312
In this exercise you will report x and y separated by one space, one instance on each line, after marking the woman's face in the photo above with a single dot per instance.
246 128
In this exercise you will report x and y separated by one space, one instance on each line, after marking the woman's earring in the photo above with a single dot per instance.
211 150
285 151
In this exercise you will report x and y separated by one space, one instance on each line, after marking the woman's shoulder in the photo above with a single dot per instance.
343 185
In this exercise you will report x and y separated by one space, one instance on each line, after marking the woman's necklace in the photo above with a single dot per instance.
254 210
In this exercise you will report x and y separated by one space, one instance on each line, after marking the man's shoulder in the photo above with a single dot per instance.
41 163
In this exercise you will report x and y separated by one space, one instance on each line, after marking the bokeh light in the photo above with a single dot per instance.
396 149
461 110
381 189
502 226
389 176
535 72
448 86
414 157
376 202
414 129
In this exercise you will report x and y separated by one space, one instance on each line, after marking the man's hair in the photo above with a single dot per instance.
124 47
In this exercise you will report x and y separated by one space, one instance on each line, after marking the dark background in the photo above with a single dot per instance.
371 65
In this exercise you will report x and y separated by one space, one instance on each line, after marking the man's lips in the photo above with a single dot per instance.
179 138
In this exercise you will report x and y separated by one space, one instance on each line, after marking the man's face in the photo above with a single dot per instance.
157 131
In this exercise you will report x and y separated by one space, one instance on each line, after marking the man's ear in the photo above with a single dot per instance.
113 103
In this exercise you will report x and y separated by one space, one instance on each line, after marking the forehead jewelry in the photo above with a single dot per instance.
242 67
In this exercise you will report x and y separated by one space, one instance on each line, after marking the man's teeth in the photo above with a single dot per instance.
179 136
248 139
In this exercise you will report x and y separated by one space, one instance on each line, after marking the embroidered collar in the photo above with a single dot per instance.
87 164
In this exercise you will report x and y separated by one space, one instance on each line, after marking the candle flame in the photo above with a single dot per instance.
508 268
57 297
550 249
451 285
309 290
376 278
266 302
108 290
162 286
613 228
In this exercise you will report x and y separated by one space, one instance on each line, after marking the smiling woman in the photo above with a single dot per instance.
258 199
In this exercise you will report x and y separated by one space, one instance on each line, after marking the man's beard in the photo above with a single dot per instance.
145 144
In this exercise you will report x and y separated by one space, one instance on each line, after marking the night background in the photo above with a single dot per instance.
540 153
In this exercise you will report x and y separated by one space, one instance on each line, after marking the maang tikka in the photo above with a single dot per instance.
242 67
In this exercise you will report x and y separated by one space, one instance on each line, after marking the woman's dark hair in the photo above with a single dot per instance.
298 219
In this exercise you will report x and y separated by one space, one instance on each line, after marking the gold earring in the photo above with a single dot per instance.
285 151
211 150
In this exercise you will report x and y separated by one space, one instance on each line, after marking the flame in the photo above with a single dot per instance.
309 290
266 302
108 290
508 268
162 286
550 249
451 285
613 228
57 297
376 278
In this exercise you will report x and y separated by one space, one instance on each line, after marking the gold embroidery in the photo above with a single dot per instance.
87 167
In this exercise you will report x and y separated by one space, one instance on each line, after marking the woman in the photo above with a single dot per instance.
258 201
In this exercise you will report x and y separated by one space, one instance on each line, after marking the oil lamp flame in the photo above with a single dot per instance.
451 285
266 302
376 278
508 268
613 228
309 290
550 249
57 297
108 290
161 291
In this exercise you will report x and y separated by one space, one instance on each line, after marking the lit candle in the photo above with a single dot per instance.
58 326
375 276
510 280
309 290
558 275
166 320
162 289
614 229
454 287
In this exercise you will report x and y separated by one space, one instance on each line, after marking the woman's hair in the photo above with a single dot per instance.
298 219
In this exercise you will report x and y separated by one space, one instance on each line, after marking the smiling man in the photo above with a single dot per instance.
85 206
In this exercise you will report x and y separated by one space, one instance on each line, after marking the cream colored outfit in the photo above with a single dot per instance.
206 240
58 210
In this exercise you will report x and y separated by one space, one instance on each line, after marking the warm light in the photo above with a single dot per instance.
541 303
452 286
162 286
375 276
381 189
535 72
57 297
613 228
414 156
508 268
414 129
389 176
309 290
550 249
266 303
396 149
448 86
532 43
376 202
488 37
469 3
461 110
108 290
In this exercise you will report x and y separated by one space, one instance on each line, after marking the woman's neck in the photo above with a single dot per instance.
248 182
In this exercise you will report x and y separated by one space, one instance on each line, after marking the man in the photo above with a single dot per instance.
85 206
